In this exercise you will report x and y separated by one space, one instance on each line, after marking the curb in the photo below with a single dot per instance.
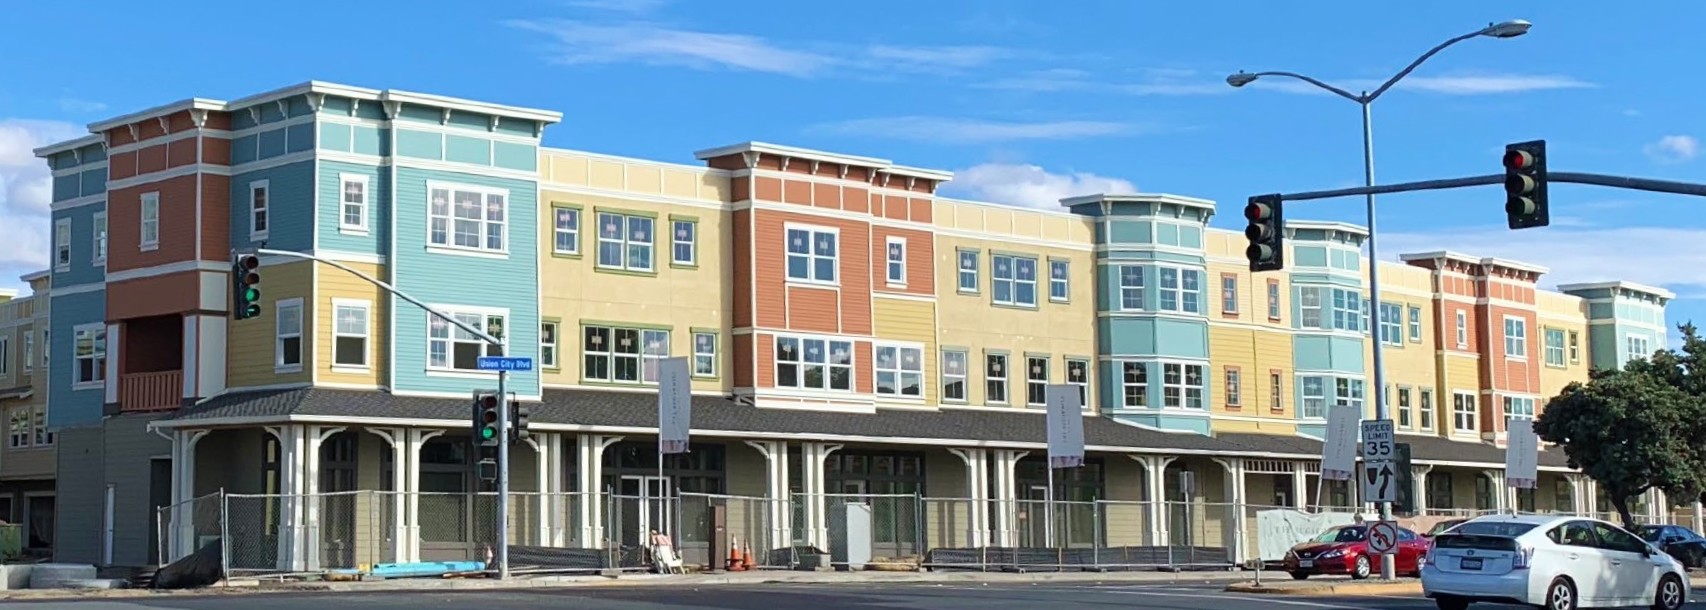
1377 588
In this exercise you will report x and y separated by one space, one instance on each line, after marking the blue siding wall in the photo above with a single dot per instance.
68 407
448 279
83 270
290 206
331 236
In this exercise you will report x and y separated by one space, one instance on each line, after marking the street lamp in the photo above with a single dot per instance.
1507 29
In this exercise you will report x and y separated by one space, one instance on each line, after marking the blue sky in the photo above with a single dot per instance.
1027 101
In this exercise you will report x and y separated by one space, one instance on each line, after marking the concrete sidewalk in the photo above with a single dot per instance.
1402 586
256 586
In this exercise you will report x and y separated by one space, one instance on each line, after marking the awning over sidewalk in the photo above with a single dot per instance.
636 413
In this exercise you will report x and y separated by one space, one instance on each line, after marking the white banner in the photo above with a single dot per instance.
1278 530
1522 453
1339 453
675 405
1065 426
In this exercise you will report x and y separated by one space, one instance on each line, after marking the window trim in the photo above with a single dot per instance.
1126 385
1274 305
1124 289
450 247
890 265
640 356
1474 413
811 255
1183 386
1013 280
1546 334
452 310
693 334
1180 290
852 365
675 241
1462 319
1393 339
1425 409
900 348
1329 392
1629 346
260 216
624 242
1405 404
146 203
1522 340
1089 376
366 336
1229 295
101 362
40 434
361 228
278 335
947 378
1574 345
62 244
98 241
20 437
1048 365
1232 387
1531 404
579 230
960 272
1276 385
556 344
1006 377
1413 322
1065 280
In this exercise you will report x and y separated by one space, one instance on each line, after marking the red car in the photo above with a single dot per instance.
1344 550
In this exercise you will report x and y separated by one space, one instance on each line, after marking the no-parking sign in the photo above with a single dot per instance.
1383 538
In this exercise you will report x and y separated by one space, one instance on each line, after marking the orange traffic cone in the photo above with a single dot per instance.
734 555
746 557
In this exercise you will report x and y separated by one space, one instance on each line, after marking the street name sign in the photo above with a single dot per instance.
504 363
1379 461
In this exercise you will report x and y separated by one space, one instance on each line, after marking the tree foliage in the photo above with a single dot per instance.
1638 428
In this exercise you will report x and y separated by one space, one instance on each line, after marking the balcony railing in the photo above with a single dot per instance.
150 391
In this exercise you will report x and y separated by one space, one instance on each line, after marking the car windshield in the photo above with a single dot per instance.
1445 525
1507 529
1651 533
1340 534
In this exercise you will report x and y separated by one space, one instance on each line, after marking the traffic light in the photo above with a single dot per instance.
1525 185
486 432
245 291
517 419
1266 233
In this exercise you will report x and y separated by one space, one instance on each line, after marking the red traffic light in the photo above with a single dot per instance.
489 401
1258 212
249 262
1518 159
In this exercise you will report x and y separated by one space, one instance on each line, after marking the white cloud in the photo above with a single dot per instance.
1673 149
1155 81
1028 185
620 6
935 58
77 106
1487 84
972 131
26 189
1658 256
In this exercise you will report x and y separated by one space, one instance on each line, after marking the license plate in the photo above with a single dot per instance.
1471 563
1306 563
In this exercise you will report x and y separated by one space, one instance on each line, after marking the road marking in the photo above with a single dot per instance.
1262 599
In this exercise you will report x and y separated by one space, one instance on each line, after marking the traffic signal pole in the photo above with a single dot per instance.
502 552
1623 182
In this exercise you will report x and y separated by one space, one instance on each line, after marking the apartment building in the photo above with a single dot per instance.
27 459
849 331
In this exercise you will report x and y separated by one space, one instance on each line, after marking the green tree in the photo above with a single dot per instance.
1630 430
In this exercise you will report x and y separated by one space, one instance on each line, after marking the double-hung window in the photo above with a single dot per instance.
625 241
449 348
814 364
1134 383
1014 280
995 379
89 350
1554 347
615 354
1182 385
467 218
895 259
148 227
1180 290
287 340
1310 310
684 242
1036 381
900 371
1078 375
1314 392
1059 280
1426 410
954 375
566 230
1463 412
1392 324
259 201
62 244
1415 324
352 203
350 331
548 345
1516 337
99 256
704 353
1131 288
968 270
813 254
1229 293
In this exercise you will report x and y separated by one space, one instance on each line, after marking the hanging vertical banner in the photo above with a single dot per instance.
1522 453
1065 426
1339 452
675 405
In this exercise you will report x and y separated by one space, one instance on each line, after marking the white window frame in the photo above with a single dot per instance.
1392 331
572 234
1274 301
1425 408
898 369
1183 386
1229 294
1630 342
29 350
1460 411
366 334
1553 353
551 352
1518 406
1181 294
1462 329
98 225
148 222
828 345
42 434
1012 280
1003 379
1414 322
676 241
97 355
279 335
625 243
260 209
1333 390
451 338
1574 343
449 246
1368 308
1350 392
1518 341
62 244
962 376
1134 387
1406 407
1064 281
1233 386
895 266
1031 382
361 207
810 256
20 424
702 356
1131 287
645 358
965 272
1083 385
1321 308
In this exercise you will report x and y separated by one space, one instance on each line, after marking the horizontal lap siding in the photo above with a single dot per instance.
168 294
253 354
913 322
336 284
177 226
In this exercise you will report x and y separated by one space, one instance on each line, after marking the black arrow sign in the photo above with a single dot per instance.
1382 477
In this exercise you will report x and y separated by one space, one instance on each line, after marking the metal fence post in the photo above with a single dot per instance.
224 538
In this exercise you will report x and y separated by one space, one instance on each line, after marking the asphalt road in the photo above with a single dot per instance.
775 597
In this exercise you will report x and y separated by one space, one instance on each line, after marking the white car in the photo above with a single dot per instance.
1556 563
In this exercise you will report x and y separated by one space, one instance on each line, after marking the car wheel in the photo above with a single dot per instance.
1669 595
1452 603
1560 595
1361 568
1421 558
1299 575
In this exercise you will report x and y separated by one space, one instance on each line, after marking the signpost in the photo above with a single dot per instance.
1379 462
1383 539
1522 455
1065 441
675 412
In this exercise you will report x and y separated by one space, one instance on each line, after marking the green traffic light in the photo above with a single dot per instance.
488 432
252 310
252 294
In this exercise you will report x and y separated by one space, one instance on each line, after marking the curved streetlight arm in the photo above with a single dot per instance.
1370 97
1317 82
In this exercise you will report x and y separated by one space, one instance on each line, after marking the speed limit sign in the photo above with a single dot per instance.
1382 538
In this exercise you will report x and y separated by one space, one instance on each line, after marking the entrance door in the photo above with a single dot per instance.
1033 516
643 505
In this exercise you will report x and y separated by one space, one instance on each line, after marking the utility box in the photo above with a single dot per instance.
852 549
